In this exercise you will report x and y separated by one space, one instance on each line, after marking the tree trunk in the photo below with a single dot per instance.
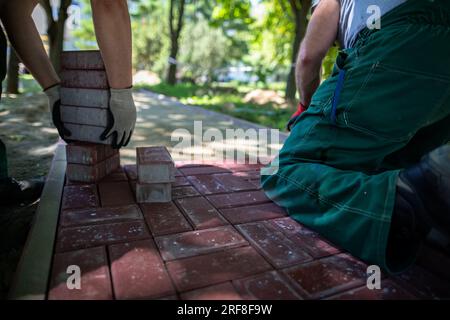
12 82
175 31
56 30
300 13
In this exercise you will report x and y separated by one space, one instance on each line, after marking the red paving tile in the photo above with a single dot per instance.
183 192
328 276
204 169
310 241
94 235
180 181
115 176
114 194
138 271
389 291
237 199
196 272
233 183
164 218
131 171
79 196
275 246
267 286
223 291
95 279
253 213
75 217
194 243
207 184
200 212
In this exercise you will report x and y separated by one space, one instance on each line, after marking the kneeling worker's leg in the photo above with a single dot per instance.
3 162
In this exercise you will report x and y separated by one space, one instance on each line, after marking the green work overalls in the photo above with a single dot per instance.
386 104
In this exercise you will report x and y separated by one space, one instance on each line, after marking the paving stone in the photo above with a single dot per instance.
178 173
153 192
114 194
310 241
131 171
154 165
83 59
194 243
234 183
389 291
86 173
424 284
248 175
138 271
76 217
85 79
88 153
267 286
253 213
95 235
204 169
278 249
94 98
86 133
164 218
116 175
183 192
207 184
181 181
95 280
79 196
223 291
81 115
328 276
201 271
200 212
238 199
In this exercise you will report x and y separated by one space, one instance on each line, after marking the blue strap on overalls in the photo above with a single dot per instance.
337 95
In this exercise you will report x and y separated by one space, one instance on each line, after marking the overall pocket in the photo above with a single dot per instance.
395 103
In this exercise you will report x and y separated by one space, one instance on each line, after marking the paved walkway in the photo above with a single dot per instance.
220 237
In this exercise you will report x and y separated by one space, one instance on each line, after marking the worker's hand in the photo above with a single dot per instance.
122 117
54 103
300 109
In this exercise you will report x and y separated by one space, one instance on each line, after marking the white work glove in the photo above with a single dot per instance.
122 117
54 103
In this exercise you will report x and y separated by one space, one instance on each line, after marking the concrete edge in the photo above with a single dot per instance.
33 270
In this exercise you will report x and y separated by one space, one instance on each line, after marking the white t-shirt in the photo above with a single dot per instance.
356 14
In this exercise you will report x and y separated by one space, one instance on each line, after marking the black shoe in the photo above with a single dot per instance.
426 189
16 192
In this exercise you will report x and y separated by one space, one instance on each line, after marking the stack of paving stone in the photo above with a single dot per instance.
84 95
156 173
90 162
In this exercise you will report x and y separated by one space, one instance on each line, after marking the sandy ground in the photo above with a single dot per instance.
26 130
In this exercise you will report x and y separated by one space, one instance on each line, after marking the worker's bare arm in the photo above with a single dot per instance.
24 37
320 36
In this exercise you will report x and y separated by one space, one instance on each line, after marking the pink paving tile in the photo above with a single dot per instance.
223 291
194 243
233 183
207 184
328 276
80 196
183 192
94 235
180 181
249 175
74 217
131 171
237 199
275 246
114 194
202 169
200 212
253 213
389 291
95 279
311 242
424 284
200 271
138 271
164 218
267 286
